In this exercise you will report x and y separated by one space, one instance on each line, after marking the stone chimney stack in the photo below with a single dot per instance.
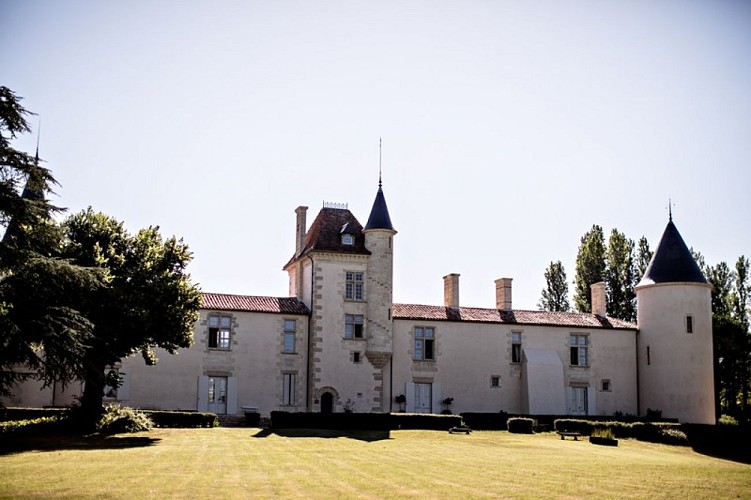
599 305
503 294
300 229
451 291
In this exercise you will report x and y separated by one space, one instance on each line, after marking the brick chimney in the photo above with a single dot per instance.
451 290
300 229
503 294
599 305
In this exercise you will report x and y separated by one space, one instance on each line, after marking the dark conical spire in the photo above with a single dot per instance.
672 261
379 214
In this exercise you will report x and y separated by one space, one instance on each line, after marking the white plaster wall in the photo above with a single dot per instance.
677 376
468 354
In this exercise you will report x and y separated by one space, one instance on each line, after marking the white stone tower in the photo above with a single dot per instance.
675 360
379 240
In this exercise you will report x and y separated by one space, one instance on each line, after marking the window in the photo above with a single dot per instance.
606 386
516 347
348 239
579 350
495 381
220 327
288 388
353 289
356 358
424 342
217 389
290 330
689 324
353 326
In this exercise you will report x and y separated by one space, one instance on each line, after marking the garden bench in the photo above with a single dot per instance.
574 435
465 430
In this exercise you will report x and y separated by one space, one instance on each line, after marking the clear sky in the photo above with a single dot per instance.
509 128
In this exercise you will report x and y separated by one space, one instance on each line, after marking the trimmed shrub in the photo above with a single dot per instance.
424 421
30 426
583 427
518 425
486 421
363 421
182 419
121 419
7 414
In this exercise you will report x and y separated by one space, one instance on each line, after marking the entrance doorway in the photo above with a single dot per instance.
578 403
217 397
423 398
327 402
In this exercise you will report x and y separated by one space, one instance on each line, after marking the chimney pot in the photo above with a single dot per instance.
599 304
503 294
451 290
300 228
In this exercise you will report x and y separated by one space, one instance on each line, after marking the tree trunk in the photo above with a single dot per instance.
93 394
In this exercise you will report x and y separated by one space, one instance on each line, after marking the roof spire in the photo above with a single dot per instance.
670 210
380 149
39 133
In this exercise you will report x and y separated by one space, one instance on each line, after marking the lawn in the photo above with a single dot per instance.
241 463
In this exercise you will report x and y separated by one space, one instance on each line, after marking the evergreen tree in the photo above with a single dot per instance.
619 277
555 295
590 267
643 258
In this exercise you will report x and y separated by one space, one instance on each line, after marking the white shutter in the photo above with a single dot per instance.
435 406
203 393
410 397
231 395
591 397
569 400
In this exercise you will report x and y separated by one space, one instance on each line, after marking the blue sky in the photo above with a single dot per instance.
509 128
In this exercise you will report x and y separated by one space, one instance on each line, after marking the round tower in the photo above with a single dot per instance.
674 316
379 235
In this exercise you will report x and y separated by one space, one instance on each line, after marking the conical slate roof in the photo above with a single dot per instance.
672 261
379 215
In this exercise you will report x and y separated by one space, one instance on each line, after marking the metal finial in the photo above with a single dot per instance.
670 209
39 133
380 154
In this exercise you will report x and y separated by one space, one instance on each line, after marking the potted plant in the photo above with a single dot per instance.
447 406
603 436
401 400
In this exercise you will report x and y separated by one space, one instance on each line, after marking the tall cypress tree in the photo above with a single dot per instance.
590 267
619 277
555 295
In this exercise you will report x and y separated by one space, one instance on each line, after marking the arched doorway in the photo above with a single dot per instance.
327 402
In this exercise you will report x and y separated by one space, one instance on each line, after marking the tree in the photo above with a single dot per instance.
740 315
147 301
619 277
590 267
555 295
643 258
721 279
41 332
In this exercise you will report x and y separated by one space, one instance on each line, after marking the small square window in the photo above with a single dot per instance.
348 239
516 347
606 385
356 358
495 381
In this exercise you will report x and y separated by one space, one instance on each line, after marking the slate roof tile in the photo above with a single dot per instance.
227 302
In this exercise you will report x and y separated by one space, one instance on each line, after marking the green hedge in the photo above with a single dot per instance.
362 421
485 421
519 425
8 414
182 419
39 425
656 432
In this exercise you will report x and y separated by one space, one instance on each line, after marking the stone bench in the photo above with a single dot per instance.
465 430
574 435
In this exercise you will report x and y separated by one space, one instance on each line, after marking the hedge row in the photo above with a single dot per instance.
656 432
31 426
363 421
182 419
519 425
8 414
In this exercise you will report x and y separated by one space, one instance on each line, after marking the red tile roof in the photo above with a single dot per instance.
226 302
516 317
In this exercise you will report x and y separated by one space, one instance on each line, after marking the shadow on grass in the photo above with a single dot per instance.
359 435
56 442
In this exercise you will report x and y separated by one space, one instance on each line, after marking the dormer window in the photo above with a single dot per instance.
348 239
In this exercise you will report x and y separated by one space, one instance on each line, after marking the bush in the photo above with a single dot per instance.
30 426
655 432
182 419
363 421
518 425
603 432
727 420
486 421
121 419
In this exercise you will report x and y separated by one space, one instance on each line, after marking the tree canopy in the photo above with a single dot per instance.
590 267
555 294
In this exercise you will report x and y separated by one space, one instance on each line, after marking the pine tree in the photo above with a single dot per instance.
555 295
619 277
590 267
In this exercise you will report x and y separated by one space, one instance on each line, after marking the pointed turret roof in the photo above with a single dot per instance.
672 261
379 214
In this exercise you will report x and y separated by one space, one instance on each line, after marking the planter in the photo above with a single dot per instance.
603 441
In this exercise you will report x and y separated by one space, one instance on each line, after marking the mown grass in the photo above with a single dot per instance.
242 463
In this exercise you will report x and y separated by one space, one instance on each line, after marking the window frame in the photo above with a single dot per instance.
348 239
289 332
219 336
289 389
424 343
357 331
354 285
516 347
581 349
495 381
689 323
